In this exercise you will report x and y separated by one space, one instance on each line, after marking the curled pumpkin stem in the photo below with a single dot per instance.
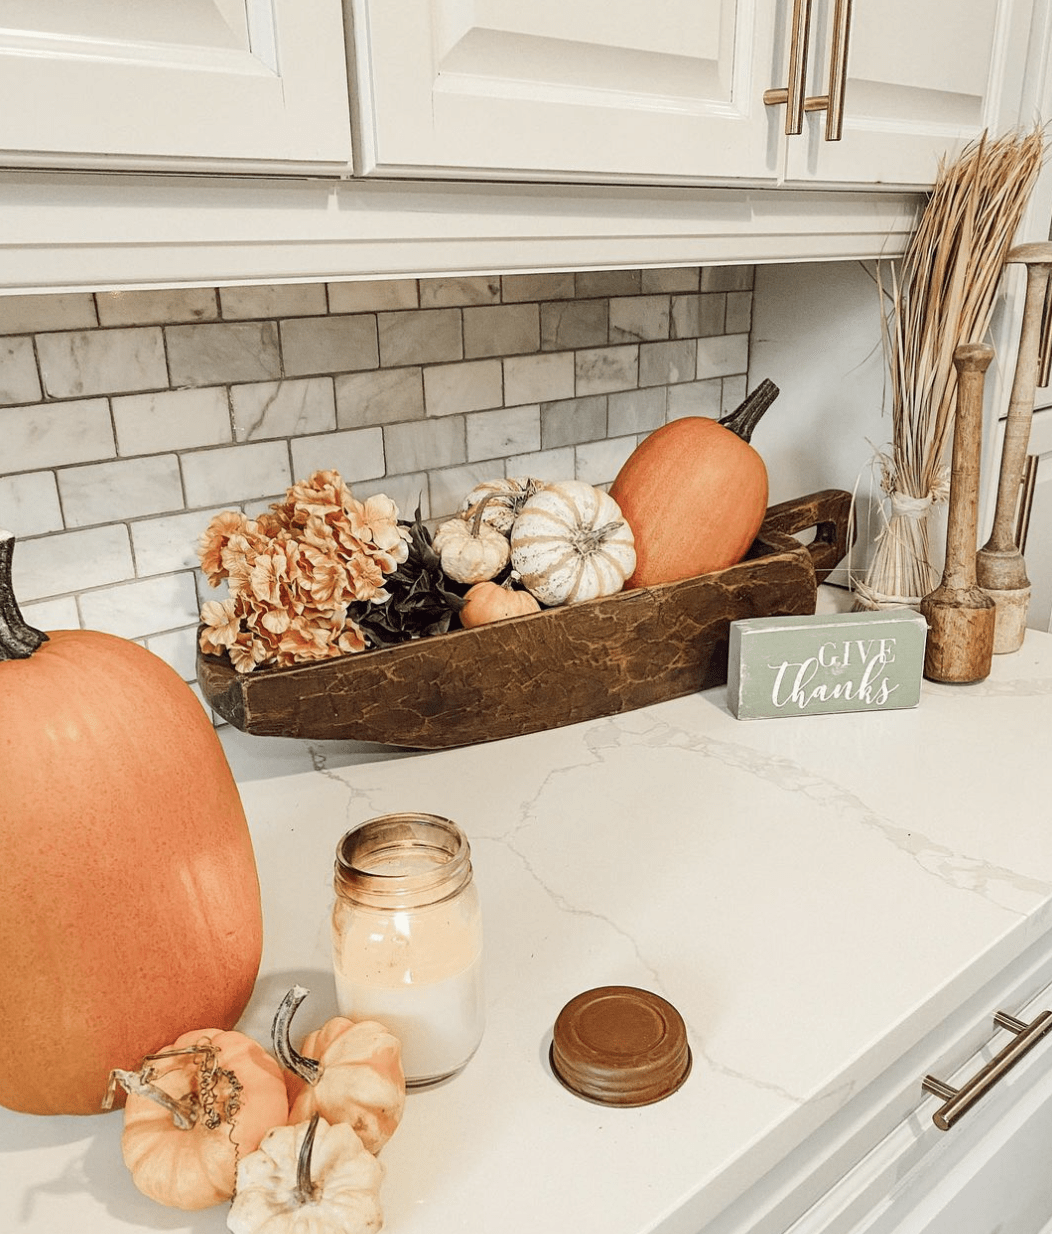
217 1099
306 1190
308 1069
183 1112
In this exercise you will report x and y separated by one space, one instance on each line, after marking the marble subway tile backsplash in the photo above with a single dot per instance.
128 419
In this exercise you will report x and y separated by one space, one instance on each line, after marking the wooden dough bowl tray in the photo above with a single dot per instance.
547 669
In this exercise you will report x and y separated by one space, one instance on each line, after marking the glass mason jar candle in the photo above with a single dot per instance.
407 939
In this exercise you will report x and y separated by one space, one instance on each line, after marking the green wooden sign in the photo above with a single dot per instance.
805 666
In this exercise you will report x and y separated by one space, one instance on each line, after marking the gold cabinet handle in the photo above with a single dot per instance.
958 1101
833 102
793 95
1044 362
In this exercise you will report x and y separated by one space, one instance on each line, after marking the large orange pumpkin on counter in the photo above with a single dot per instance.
695 493
129 899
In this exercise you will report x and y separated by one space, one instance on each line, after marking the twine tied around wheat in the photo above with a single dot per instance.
941 295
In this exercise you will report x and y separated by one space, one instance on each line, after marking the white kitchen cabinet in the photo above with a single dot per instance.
216 84
610 90
881 1166
921 79
645 134
597 89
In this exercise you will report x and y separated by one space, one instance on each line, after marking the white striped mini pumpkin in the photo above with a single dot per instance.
504 498
570 543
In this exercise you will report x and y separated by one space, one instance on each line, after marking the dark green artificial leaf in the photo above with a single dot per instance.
423 601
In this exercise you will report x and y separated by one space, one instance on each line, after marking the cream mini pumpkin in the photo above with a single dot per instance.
471 551
308 1178
571 543
503 499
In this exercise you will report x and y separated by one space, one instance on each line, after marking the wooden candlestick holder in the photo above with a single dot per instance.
1000 569
960 615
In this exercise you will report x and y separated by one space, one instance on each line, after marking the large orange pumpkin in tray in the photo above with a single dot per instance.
129 900
695 493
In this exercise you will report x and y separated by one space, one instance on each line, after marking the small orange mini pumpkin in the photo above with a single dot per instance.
348 1071
193 1110
488 602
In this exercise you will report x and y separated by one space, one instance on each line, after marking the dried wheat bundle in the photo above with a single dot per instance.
941 296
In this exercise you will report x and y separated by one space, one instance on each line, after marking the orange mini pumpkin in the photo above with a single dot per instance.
348 1071
491 601
129 899
194 1110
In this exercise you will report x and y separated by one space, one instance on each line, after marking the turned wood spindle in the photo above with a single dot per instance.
1000 569
960 615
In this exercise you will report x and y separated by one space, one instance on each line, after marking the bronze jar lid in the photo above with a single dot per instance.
620 1046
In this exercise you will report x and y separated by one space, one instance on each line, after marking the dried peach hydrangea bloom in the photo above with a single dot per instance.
294 572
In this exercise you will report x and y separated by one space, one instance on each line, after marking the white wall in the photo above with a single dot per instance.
816 334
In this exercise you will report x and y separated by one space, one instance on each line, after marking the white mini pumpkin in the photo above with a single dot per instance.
471 551
571 543
503 498
308 1178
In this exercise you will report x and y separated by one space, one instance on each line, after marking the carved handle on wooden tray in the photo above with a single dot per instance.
829 513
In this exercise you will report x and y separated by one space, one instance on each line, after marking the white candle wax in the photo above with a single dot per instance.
439 1023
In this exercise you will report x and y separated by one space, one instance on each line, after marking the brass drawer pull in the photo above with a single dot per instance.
958 1101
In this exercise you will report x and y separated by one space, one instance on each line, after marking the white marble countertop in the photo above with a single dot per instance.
813 893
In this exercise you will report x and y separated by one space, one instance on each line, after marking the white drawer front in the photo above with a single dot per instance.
989 1173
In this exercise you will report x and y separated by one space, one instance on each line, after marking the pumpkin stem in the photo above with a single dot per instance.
18 639
478 510
306 1191
308 1069
591 541
512 499
184 1113
745 417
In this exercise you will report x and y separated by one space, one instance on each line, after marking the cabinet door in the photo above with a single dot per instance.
593 90
201 83
921 81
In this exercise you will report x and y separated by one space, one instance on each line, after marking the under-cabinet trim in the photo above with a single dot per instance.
88 232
